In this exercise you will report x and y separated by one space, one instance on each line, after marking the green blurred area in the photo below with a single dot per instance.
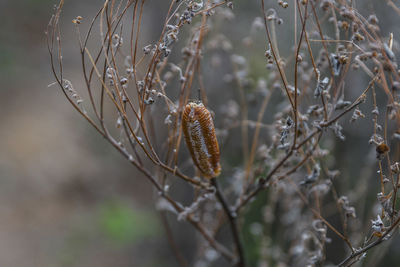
122 224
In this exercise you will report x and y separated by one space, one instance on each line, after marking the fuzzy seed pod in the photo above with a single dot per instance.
198 128
382 148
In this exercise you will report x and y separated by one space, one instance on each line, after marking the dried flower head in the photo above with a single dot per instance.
382 148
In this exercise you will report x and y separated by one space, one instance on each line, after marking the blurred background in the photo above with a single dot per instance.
67 198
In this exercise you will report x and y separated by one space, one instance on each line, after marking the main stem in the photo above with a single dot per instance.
232 222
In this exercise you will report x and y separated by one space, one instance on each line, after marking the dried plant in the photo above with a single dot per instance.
285 172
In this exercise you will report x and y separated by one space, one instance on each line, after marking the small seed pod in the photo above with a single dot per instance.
382 148
198 128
